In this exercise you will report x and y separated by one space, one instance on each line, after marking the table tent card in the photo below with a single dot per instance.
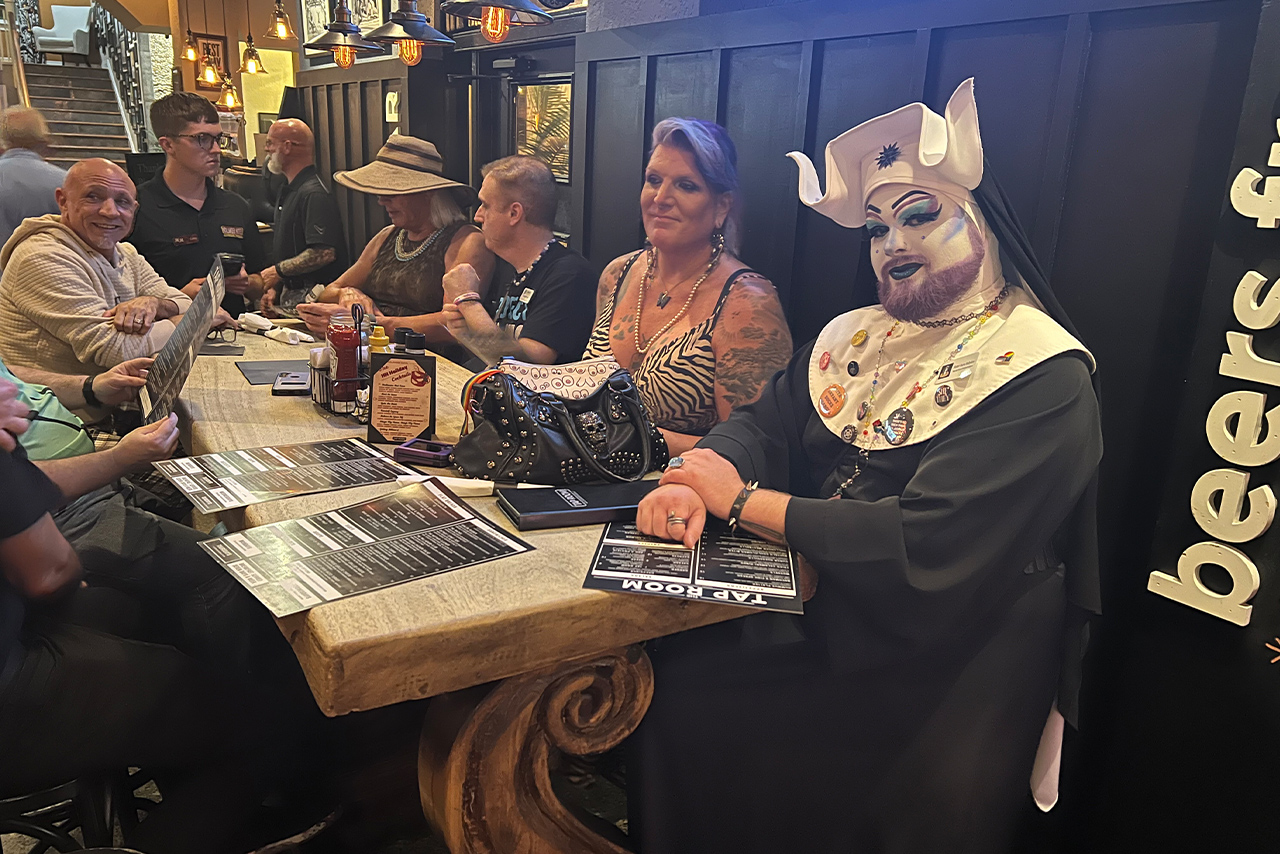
173 363
231 479
415 532
723 567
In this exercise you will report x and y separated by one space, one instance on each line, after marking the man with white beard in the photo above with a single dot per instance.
310 248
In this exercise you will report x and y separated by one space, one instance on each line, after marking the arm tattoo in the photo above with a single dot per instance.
762 351
308 260
762 531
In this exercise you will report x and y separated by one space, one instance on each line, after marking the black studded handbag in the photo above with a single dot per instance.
557 424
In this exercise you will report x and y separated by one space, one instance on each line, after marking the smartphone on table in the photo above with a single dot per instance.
423 452
291 383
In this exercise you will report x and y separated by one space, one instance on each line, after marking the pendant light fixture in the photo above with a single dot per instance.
408 30
280 28
228 99
191 51
343 37
497 17
250 61
208 73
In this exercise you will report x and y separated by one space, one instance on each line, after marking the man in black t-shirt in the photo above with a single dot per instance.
310 248
546 301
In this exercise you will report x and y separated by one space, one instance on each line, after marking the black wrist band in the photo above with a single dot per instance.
90 398
279 272
735 512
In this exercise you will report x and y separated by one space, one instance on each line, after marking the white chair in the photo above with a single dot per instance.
69 35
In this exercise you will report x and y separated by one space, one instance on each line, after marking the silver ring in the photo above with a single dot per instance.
673 519
675 463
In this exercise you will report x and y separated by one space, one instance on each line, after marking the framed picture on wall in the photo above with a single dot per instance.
315 14
214 50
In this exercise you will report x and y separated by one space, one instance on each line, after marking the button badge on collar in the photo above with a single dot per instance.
859 338
853 369
824 361
831 401
943 395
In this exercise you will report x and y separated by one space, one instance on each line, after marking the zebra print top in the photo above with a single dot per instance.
676 378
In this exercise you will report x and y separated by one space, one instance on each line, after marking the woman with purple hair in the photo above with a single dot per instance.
700 332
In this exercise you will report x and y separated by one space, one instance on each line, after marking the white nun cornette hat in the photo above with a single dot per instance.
911 145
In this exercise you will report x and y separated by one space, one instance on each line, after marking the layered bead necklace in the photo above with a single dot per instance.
896 429
641 347
401 255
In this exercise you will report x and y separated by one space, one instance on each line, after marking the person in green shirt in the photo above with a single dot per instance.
151 559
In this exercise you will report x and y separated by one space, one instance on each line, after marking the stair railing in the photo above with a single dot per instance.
11 52
118 46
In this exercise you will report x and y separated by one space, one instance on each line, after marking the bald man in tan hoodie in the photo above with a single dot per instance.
74 299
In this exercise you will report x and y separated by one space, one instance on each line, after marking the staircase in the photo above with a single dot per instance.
81 109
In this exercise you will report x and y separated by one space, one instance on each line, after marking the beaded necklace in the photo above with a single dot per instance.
401 255
648 274
898 430
519 280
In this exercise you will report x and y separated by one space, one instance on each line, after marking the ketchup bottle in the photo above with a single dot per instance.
344 361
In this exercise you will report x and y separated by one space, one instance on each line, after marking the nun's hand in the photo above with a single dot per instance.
714 478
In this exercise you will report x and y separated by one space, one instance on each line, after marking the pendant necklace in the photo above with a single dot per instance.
897 427
401 255
641 347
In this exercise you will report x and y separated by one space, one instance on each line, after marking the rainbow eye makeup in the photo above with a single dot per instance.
876 228
920 212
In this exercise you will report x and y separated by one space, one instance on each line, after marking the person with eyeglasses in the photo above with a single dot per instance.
185 218
74 298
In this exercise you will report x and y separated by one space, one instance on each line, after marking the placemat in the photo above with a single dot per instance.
265 373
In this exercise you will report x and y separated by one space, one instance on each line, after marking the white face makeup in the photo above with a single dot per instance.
925 249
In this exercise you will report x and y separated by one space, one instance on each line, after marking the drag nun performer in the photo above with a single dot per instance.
933 459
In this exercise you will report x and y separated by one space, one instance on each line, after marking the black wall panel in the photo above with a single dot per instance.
762 99
1016 68
686 84
616 158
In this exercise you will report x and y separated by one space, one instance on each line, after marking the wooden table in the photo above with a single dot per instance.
527 660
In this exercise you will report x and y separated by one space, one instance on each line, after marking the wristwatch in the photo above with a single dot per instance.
90 398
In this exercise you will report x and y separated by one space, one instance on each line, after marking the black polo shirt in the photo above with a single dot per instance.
307 215
180 242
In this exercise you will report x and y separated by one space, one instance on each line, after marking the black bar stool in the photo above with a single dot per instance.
92 804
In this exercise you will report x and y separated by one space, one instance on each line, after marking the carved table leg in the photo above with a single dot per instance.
482 759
